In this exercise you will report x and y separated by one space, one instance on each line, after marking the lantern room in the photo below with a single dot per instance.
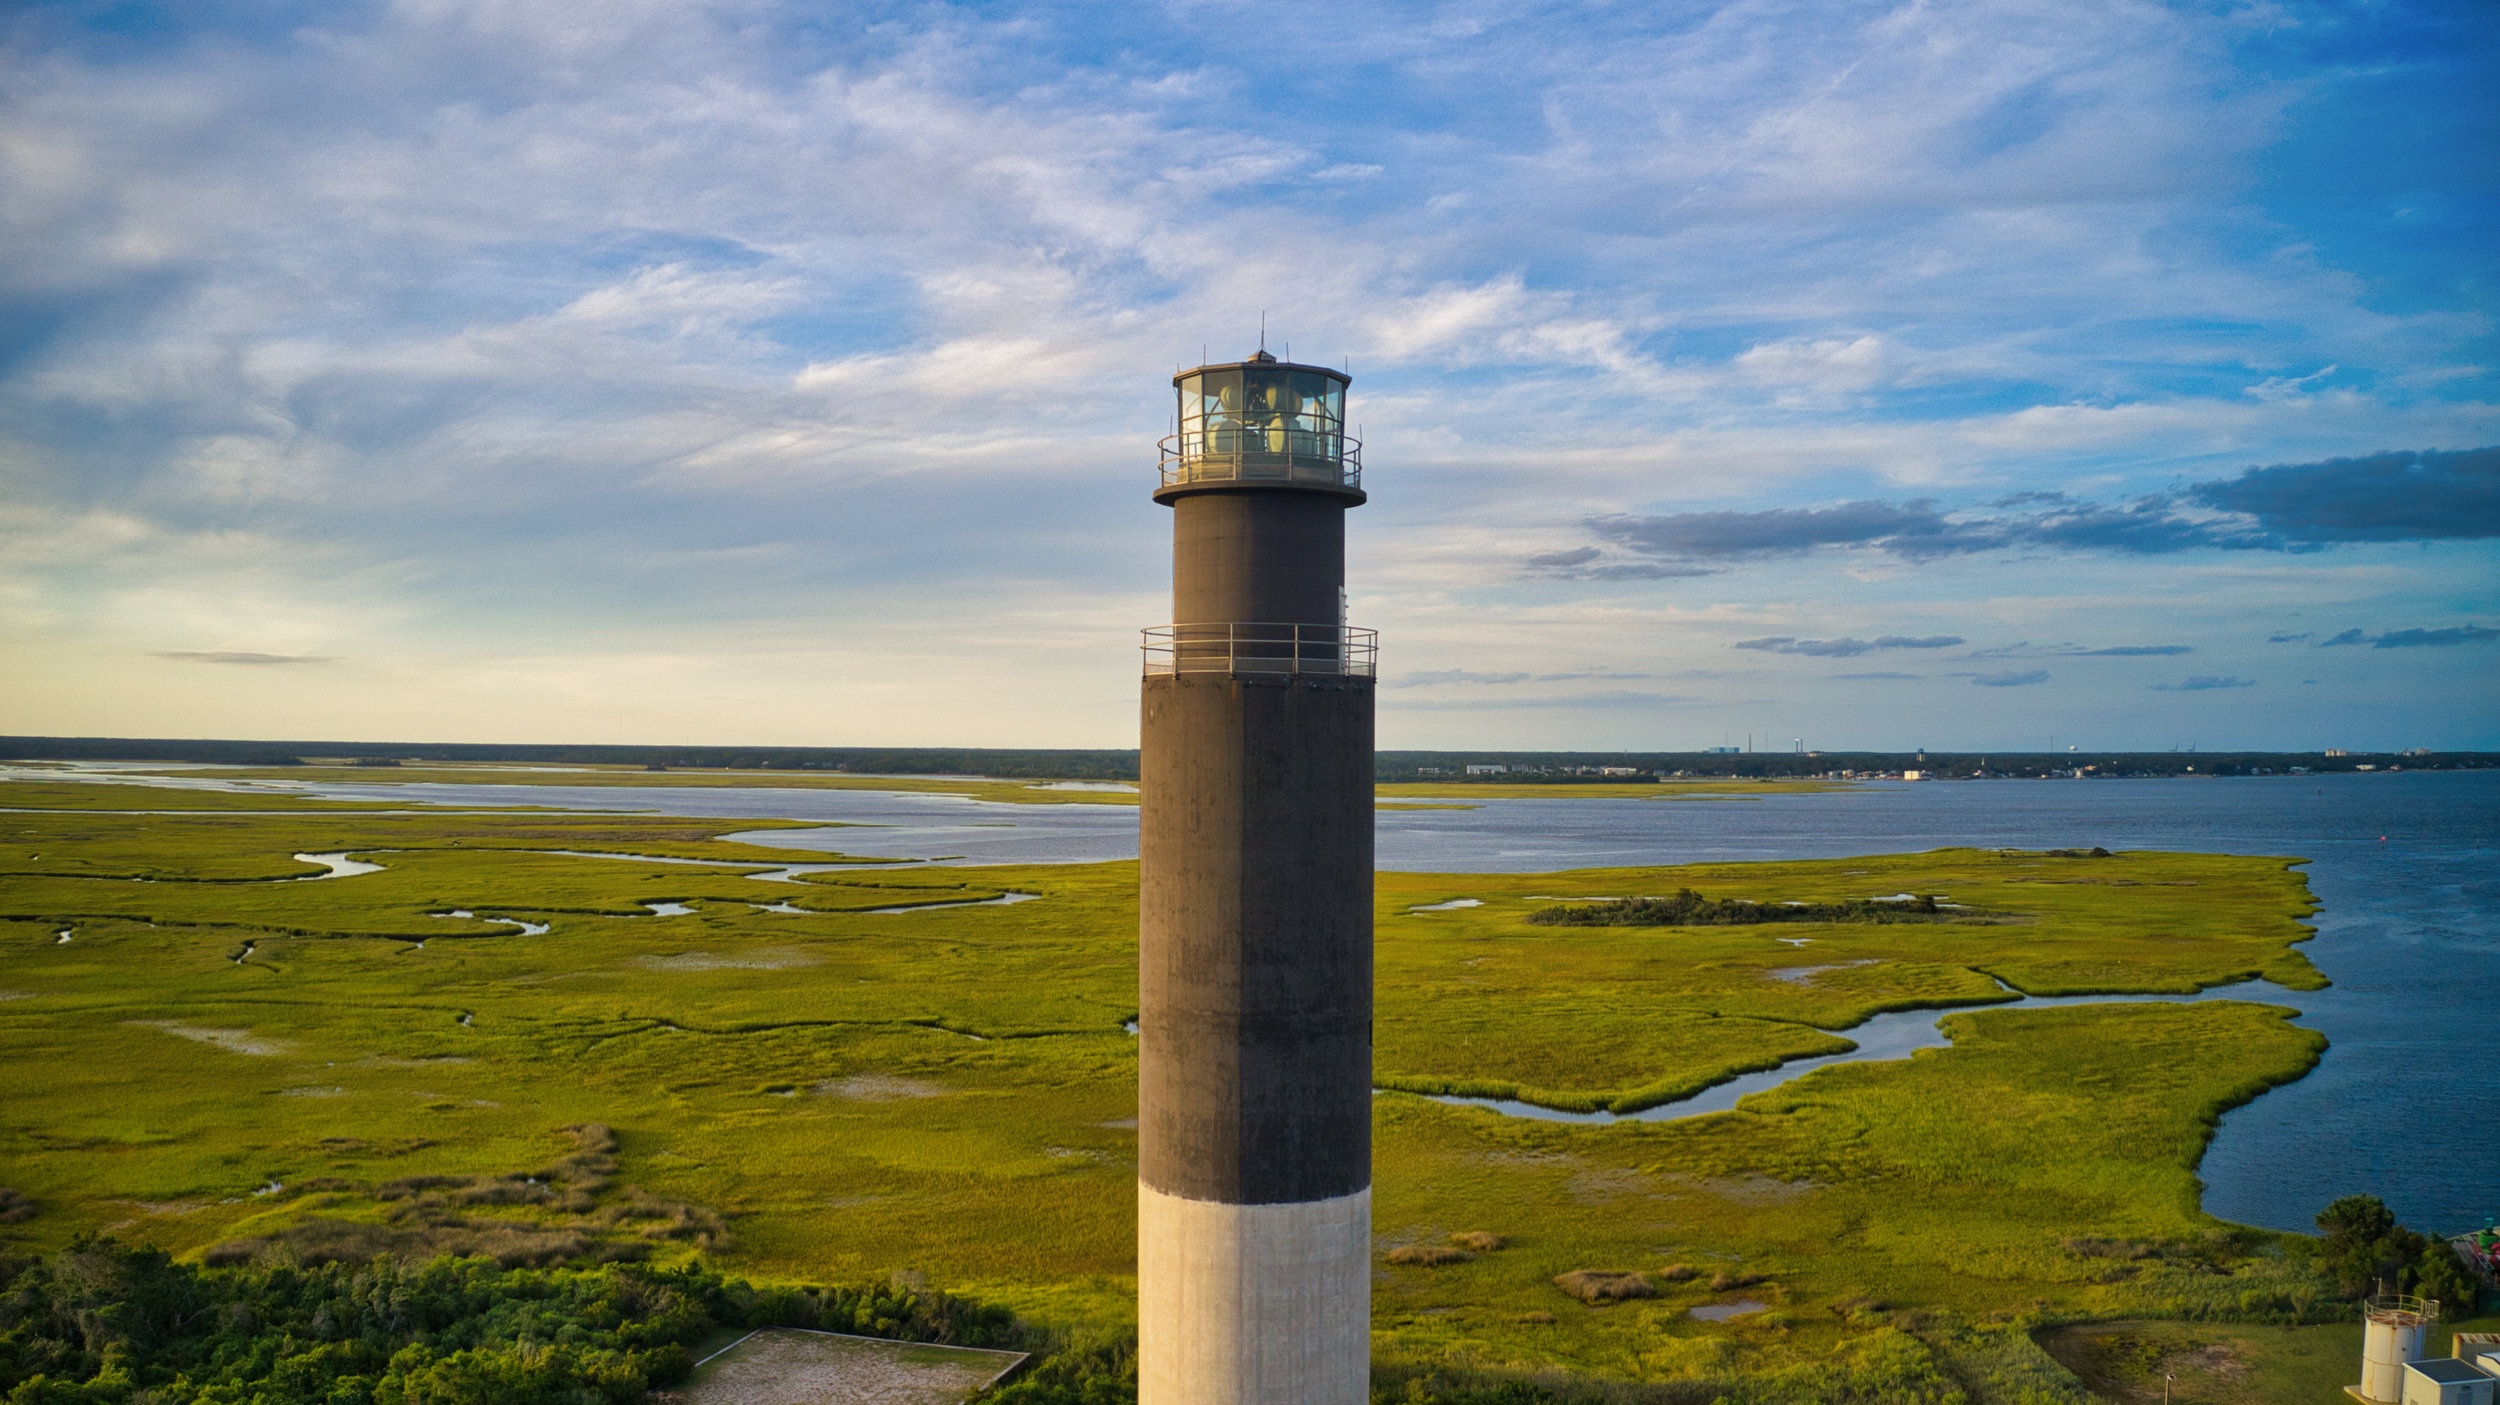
1262 422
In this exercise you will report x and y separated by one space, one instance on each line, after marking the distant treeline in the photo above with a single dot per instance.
871 760
1579 767
1646 767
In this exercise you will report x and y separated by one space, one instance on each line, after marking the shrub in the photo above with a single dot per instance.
1427 1255
101 1322
1478 1240
1598 1285
1687 908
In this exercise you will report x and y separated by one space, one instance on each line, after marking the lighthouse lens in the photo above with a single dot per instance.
1265 395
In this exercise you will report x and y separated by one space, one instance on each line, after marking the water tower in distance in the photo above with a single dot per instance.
2396 1328
1255 909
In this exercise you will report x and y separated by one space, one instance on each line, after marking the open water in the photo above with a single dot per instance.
2405 1105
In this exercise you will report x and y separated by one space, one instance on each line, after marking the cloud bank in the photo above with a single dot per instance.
240 657
1847 648
2415 638
2392 497
2201 683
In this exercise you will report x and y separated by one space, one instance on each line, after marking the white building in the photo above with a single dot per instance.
2445 1380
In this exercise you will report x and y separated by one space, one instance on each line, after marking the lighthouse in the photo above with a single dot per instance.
1255 908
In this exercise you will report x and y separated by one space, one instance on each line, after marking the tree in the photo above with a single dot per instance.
2355 1220
2440 1276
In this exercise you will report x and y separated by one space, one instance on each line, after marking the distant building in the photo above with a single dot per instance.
1913 775
1722 751
1487 770
1618 770
2336 751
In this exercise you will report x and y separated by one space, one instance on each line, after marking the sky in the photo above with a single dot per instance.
1965 374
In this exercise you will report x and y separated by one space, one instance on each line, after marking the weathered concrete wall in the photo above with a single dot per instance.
1255 940
1297 1277
1257 556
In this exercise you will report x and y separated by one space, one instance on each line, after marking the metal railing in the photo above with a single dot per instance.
2400 1310
1326 650
1254 456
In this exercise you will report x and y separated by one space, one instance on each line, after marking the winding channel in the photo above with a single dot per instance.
1895 1035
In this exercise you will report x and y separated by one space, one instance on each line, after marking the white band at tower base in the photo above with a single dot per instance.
1253 1304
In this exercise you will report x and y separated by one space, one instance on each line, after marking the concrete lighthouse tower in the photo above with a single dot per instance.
1255 915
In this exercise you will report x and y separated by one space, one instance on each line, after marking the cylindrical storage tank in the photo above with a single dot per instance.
2395 1329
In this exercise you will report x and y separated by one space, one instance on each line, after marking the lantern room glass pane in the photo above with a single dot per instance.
1265 400
1192 415
1219 408
1318 403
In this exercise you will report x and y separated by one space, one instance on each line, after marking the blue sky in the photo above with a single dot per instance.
1883 375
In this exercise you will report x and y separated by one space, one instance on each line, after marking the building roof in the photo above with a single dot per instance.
2446 1370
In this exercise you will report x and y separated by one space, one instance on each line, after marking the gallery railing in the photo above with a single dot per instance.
1309 457
1330 650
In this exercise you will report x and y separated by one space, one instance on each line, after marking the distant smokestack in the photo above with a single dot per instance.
1255 913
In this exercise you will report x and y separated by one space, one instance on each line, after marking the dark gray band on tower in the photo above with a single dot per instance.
1274 556
1255 986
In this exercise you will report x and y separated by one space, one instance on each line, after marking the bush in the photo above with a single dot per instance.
1687 908
1087 1371
101 1323
1427 1255
1598 1285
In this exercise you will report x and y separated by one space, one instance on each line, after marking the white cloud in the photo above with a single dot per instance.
528 324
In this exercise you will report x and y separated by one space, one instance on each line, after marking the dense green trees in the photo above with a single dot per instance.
101 1323
1686 908
2368 1252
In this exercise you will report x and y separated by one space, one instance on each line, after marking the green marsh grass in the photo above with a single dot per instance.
212 1061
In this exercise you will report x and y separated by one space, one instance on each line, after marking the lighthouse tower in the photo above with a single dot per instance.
1255 914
